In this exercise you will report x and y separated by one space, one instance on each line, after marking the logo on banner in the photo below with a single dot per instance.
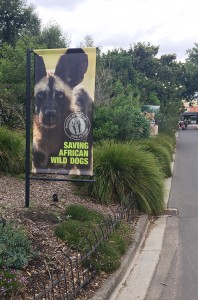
77 126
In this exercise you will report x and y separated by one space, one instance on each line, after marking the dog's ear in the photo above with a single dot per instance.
39 67
72 66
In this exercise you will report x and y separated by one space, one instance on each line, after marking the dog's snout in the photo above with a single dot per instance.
50 117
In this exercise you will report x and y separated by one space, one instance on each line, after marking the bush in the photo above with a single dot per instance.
120 120
12 151
122 168
10 283
15 248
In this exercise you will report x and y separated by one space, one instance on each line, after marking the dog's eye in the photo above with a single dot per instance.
41 95
60 95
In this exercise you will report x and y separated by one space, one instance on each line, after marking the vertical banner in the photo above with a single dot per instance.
63 111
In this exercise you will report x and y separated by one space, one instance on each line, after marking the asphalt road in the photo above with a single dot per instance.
176 276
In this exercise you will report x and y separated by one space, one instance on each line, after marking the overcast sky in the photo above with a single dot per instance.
170 24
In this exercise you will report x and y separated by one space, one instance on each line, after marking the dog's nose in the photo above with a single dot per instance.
50 116
50 113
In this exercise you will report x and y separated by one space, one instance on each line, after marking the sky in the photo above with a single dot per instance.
170 24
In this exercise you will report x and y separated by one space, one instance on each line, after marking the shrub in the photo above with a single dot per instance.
10 283
15 248
120 120
122 168
12 151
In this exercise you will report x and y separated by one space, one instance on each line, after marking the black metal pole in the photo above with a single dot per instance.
28 97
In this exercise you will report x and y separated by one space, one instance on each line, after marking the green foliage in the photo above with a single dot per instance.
87 41
120 62
74 233
144 58
13 82
16 19
162 155
12 151
120 120
168 118
15 248
11 282
167 141
11 115
81 213
122 168
78 232
111 251
192 73
52 37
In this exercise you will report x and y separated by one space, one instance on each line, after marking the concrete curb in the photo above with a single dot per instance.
110 285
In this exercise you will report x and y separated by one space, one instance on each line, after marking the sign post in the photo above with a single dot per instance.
28 96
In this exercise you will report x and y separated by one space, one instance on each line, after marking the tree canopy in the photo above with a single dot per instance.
125 79
17 18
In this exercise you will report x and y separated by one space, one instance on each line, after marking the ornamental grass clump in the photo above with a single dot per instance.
167 141
122 168
161 154
81 213
76 229
12 151
84 228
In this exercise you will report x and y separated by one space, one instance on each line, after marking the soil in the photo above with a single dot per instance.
41 218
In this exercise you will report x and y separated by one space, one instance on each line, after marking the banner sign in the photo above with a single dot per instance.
63 111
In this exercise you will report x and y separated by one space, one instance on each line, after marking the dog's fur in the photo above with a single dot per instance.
57 95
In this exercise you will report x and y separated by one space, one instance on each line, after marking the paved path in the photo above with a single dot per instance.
180 281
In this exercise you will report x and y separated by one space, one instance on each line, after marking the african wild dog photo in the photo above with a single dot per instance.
62 120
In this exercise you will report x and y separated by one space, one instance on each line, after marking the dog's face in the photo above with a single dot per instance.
53 92
52 98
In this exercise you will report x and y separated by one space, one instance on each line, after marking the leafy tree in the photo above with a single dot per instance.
144 58
52 37
192 73
120 62
17 18
13 81
87 42
170 80
13 73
